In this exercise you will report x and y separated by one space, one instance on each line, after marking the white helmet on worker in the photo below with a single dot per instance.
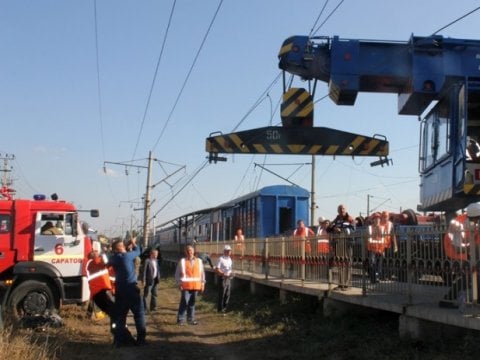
473 210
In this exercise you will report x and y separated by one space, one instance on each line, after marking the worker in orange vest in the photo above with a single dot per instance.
100 283
323 237
303 233
377 243
460 243
190 276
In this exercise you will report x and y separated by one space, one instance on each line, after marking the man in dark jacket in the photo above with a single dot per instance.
151 278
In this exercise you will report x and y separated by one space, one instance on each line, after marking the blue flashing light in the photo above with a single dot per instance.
39 197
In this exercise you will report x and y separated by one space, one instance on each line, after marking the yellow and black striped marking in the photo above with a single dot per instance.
297 108
297 140
471 189
286 47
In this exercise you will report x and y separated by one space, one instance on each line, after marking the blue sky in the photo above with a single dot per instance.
61 130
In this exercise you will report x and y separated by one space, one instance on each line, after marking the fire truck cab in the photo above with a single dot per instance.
42 251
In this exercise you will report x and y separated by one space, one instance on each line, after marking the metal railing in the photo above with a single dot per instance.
419 270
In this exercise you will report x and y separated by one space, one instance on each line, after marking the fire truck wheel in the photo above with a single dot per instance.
30 298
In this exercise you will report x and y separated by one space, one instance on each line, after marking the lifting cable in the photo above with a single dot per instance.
456 20
326 19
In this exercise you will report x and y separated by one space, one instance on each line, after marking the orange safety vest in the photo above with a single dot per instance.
455 240
377 241
388 234
191 275
301 234
323 241
239 243
98 276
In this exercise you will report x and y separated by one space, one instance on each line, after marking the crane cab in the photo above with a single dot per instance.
449 156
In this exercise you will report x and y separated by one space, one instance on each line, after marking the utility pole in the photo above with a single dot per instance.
6 180
368 204
312 194
146 210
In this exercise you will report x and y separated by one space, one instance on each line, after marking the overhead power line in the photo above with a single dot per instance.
99 90
188 75
152 85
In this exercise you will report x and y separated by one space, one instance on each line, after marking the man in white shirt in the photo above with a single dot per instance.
224 269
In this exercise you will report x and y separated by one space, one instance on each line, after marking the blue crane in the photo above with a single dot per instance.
421 71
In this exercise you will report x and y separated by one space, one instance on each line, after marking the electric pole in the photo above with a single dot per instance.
6 180
146 210
312 194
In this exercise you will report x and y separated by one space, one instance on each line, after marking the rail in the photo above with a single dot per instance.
420 268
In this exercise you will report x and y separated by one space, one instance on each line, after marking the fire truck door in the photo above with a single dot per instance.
6 252
61 248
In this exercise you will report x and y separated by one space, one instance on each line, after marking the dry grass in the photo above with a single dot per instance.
29 345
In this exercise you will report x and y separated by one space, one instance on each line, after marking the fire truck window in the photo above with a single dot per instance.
68 224
4 224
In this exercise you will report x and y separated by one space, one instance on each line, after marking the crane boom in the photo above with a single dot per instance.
419 70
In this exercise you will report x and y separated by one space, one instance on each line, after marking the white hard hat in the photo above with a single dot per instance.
321 219
473 210
227 248
96 246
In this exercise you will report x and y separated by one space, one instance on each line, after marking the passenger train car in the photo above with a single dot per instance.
272 210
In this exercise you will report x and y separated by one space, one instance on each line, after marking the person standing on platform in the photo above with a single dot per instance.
239 240
224 270
341 228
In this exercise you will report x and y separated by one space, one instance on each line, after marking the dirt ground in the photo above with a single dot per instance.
215 337
259 327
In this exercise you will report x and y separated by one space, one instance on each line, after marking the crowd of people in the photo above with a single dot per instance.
116 282
380 237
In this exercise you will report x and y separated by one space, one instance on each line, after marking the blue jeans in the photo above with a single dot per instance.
126 299
187 305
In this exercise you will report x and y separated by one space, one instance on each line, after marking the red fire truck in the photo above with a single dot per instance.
41 268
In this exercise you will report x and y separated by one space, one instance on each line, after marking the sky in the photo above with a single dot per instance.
83 102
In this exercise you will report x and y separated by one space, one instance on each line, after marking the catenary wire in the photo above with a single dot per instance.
99 90
188 75
154 79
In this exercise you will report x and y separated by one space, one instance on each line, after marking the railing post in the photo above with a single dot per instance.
365 260
265 258
254 254
302 265
409 267
282 258
473 265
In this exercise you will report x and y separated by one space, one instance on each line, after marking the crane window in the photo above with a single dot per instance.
473 127
5 224
435 136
